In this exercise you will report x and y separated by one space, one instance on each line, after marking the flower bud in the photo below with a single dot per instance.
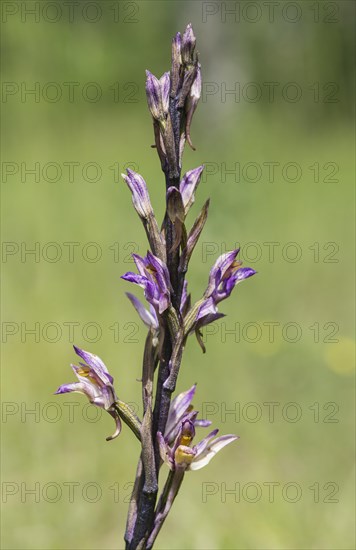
165 83
154 96
188 186
140 196
188 45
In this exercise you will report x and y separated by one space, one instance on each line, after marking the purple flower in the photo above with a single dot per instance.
181 408
153 277
188 186
140 196
96 383
225 274
182 456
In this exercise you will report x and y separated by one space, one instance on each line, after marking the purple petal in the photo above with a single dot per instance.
96 364
201 423
149 318
165 84
208 319
84 387
134 278
201 446
150 293
66 388
208 307
244 273
211 450
188 45
178 408
177 42
161 269
188 186
154 96
141 264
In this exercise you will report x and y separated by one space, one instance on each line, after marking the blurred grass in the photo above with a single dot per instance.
305 292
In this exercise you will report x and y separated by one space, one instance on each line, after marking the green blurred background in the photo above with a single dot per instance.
73 293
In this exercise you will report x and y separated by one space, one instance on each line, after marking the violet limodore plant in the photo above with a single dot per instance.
167 429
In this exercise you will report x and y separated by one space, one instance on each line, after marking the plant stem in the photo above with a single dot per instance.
169 493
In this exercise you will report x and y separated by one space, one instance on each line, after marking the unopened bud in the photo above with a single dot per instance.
154 96
188 186
165 83
188 45
140 196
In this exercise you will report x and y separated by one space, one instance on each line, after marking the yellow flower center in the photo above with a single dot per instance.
84 371
236 264
184 455
186 440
